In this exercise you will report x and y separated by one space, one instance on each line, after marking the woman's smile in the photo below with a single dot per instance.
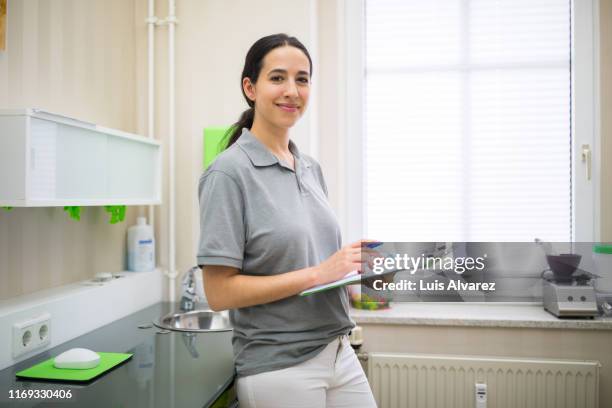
280 94
288 107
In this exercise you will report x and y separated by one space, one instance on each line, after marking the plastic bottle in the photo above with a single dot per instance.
141 247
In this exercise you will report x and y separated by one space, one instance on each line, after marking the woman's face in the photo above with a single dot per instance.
283 87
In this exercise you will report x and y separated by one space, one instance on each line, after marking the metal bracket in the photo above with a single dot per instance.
167 21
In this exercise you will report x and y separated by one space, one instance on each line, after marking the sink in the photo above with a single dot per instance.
195 321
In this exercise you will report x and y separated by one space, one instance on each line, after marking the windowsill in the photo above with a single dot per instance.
518 315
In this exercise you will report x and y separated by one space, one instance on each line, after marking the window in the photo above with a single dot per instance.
468 120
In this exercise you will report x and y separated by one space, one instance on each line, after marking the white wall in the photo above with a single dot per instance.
88 59
331 97
212 40
75 58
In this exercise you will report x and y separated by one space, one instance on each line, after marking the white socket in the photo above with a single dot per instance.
31 334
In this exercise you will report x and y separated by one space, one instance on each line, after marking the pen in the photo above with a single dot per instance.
373 245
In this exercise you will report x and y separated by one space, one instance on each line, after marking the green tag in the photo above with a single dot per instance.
117 213
602 249
74 212
7 208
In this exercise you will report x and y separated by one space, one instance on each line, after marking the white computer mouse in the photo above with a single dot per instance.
77 358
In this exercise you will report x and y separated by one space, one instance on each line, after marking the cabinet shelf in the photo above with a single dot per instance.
49 160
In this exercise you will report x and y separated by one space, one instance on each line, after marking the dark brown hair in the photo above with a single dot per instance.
252 67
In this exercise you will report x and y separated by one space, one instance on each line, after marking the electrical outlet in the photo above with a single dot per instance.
31 334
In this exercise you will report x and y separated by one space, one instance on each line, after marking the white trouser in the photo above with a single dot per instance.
333 378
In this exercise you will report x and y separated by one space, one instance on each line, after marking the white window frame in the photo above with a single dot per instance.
585 119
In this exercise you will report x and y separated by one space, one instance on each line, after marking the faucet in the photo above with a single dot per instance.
192 289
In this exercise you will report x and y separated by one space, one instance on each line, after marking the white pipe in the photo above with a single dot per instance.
171 20
151 19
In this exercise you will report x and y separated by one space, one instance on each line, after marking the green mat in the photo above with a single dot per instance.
46 370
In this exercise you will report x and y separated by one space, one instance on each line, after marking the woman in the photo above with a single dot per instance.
268 233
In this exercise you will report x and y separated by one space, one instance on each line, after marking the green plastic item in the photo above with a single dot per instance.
7 208
214 143
46 370
117 213
74 212
602 249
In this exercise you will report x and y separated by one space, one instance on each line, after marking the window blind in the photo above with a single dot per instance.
467 120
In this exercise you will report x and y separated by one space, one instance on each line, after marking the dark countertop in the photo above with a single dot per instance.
166 370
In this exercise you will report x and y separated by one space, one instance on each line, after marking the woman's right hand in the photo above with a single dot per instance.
345 260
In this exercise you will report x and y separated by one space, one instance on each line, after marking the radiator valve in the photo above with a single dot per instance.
481 395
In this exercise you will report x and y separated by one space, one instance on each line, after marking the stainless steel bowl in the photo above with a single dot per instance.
195 321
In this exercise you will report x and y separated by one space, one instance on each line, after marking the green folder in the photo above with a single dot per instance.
213 143
46 370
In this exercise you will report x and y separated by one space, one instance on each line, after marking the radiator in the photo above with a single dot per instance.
446 381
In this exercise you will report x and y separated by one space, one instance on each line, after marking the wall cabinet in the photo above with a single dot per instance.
49 160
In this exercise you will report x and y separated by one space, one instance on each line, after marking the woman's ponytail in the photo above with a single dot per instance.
245 121
252 67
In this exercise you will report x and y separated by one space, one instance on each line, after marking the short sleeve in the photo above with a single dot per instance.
222 226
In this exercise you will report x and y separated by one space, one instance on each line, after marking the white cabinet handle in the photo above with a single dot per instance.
586 158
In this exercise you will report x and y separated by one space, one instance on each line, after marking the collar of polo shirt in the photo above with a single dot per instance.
260 155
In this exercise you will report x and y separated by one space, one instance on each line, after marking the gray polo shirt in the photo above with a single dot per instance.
260 216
